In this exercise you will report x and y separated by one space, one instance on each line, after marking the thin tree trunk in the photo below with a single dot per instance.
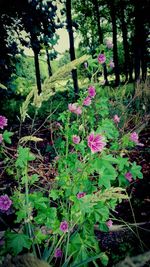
37 71
125 40
100 35
97 18
71 40
144 55
137 40
105 74
115 52
48 63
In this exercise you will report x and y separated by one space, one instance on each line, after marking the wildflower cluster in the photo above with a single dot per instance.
89 166
3 123
102 57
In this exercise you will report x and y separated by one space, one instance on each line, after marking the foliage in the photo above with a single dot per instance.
87 187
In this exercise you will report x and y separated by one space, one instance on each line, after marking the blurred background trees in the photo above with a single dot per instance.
32 25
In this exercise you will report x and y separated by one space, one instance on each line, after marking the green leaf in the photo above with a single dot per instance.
17 242
24 155
136 171
6 136
108 128
106 170
122 162
54 194
104 259
90 259
33 178
103 227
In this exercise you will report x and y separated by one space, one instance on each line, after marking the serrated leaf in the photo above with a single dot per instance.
17 242
6 136
54 194
24 155
136 171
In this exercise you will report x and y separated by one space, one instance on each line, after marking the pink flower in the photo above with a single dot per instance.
76 139
134 137
101 58
109 223
109 44
87 101
95 142
72 107
3 122
78 111
5 203
91 91
1 138
58 253
128 176
111 64
116 119
64 226
81 194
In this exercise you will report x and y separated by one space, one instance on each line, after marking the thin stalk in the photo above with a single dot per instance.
60 240
67 139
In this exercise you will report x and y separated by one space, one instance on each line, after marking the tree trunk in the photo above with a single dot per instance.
100 35
125 40
115 52
48 63
71 40
140 40
97 18
137 39
37 71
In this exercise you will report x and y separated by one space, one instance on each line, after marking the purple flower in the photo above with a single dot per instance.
116 119
111 64
96 142
134 137
109 223
87 101
1 138
64 226
85 65
76 139
58 253
3 122
5 203
91 91
128 176
101 58
81 194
